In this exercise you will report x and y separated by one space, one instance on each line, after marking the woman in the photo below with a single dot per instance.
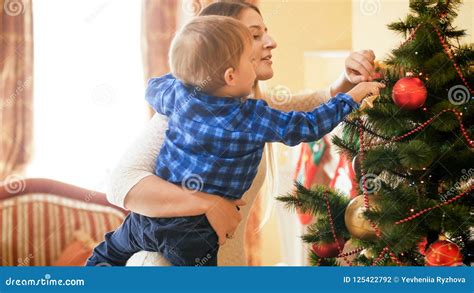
134 186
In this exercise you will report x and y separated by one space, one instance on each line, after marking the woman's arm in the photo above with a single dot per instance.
359 66
298 102
133 185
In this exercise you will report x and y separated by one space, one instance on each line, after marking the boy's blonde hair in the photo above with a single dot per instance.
205 47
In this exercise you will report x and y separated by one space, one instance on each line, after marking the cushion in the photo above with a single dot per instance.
36 228
76 252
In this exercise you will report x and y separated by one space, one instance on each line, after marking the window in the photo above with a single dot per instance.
89 88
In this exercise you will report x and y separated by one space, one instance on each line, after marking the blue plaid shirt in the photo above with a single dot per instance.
219 141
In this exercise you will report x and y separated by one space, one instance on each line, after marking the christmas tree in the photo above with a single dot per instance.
412 154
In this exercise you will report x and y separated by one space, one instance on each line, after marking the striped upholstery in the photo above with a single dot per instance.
35 228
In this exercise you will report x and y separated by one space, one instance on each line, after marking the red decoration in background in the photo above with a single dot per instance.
305 170
307 167
409 93
422 246
326 250
443 253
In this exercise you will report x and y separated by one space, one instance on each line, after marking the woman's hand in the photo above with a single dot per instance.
224 216
360 67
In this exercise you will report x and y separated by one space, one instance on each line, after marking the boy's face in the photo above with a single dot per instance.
245 74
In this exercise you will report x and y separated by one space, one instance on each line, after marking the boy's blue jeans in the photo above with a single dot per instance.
183 241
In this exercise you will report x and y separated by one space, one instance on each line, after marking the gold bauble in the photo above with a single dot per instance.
368 253
356 223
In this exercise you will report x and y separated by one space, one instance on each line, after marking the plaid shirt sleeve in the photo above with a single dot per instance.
292 128
156 93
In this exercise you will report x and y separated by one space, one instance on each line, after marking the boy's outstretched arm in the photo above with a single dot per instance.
292 128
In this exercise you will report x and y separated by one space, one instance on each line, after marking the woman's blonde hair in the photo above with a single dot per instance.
205 48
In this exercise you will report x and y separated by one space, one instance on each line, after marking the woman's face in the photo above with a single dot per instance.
263 43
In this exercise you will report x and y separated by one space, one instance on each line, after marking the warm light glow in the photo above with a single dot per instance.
89 87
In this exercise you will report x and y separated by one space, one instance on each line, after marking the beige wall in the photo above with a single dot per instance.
304 25
370 30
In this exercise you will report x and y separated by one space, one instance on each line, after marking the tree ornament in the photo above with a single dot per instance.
356 223
443 253
409 93
368 253
422 246
326 250
304 218
356 165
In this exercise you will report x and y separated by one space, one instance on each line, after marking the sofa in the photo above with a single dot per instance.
45 222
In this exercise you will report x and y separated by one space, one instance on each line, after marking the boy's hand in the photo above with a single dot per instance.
365 89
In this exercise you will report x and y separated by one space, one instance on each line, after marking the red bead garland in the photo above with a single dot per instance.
424 125
414 216
333 230
357 250
366 198
395 139
447 49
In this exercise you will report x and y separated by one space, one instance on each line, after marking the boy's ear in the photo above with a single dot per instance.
229 76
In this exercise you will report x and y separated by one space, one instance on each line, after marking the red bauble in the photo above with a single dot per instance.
443 253
305 219
409 93
326 250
